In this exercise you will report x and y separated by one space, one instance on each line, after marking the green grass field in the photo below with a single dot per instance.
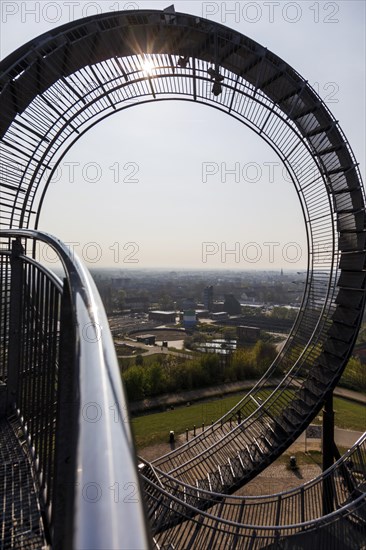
349 415
154 428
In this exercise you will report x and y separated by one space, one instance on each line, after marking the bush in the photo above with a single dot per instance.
264 354
354 376
139 360
155 380
134 383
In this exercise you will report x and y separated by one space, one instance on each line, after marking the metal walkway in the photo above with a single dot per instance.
21 519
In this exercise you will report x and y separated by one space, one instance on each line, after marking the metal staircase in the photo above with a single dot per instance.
286 518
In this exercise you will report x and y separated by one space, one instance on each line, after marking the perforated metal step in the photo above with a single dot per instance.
20 520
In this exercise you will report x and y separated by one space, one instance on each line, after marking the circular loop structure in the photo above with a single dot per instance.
58 86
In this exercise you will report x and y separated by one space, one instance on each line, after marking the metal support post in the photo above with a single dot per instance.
328 452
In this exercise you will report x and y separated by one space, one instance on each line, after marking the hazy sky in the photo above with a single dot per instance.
136 197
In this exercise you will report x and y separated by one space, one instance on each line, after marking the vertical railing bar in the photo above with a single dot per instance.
15 316
34 353
51 366
24 345
47 368
302 504
54 377
44 383
38 368
28 290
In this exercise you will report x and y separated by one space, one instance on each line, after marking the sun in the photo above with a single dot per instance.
147 66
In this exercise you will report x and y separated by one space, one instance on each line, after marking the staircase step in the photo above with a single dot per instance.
215 482
226 475
203 484
237 467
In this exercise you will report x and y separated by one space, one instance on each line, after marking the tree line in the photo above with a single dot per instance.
167 374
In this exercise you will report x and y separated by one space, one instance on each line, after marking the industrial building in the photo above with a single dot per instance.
189 319
208 297
162 316
148 339
247 334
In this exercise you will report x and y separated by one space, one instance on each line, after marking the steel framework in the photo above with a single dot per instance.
58 86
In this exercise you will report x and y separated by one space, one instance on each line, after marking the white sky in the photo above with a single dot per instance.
160 202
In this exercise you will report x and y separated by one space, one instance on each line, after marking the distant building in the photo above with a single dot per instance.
208 297
162 316
219 346
218 307
136 303
189 319
148 339
247 334
188 303
231 305
247 298
202 313
219 316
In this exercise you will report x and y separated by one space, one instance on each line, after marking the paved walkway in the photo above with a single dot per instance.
182 398
350 394
149 350
277 477
343 438
222 390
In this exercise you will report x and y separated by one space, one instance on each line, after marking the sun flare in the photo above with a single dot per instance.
147 66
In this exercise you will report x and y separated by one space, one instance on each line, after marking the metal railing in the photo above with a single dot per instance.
332 532
330 491
63 383
333 505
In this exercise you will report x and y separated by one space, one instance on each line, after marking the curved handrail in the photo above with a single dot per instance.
105 462
107 507
286 493
216 523
313 523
